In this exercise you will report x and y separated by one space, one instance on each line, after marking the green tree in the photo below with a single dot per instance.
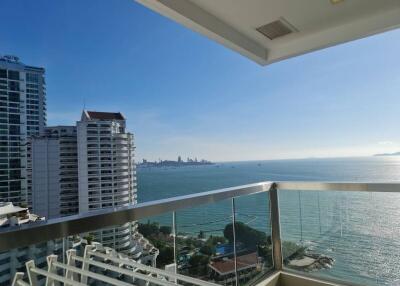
193 242
290 248
165 229
201 234
250 237
265 251
199 264
148 229
166 255
214 240
89 238
207 250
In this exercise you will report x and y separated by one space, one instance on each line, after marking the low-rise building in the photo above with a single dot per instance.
14 260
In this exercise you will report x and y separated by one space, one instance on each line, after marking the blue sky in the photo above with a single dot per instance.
185 95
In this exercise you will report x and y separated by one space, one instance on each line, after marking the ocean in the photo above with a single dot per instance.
361 231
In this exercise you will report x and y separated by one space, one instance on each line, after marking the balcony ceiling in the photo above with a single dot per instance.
315 24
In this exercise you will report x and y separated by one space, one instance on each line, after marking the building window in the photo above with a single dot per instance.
13 96
12 85
13 75
32 77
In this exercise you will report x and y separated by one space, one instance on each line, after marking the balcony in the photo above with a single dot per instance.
283 233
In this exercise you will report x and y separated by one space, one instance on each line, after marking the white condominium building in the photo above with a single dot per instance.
107 173
86 168
106 161
55 172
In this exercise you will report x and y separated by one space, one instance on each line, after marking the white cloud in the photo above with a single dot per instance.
386 143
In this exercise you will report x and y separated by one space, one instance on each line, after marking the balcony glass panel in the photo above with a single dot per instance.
159 232
253 238
201 244
350 236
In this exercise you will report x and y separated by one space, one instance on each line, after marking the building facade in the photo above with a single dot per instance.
55 172
22 114
107 173
79 169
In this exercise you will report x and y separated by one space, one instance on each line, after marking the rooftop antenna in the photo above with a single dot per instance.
84 103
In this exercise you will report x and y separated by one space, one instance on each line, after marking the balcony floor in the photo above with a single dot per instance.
289 279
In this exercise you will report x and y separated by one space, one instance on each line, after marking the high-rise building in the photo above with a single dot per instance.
107 172
22 114
106 161
85 168
55 172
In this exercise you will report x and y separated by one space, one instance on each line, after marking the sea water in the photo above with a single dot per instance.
361 231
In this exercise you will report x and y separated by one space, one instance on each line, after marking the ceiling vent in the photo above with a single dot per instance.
276 29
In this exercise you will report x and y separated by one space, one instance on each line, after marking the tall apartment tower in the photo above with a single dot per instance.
85 168
107 173
22 114
55 172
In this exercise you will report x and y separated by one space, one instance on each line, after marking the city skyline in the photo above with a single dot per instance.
227 108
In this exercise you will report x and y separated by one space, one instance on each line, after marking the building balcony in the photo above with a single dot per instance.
122 186
123 245
120 161
122 231
120 180
283 233
121 172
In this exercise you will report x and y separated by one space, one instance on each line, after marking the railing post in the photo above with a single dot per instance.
85 265
19 276
51 269
32 276
71 253
174 233
275 225
234 241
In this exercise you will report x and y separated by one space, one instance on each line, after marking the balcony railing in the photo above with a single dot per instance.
265 232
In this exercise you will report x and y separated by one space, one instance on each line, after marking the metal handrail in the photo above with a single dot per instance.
339 186
25 235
